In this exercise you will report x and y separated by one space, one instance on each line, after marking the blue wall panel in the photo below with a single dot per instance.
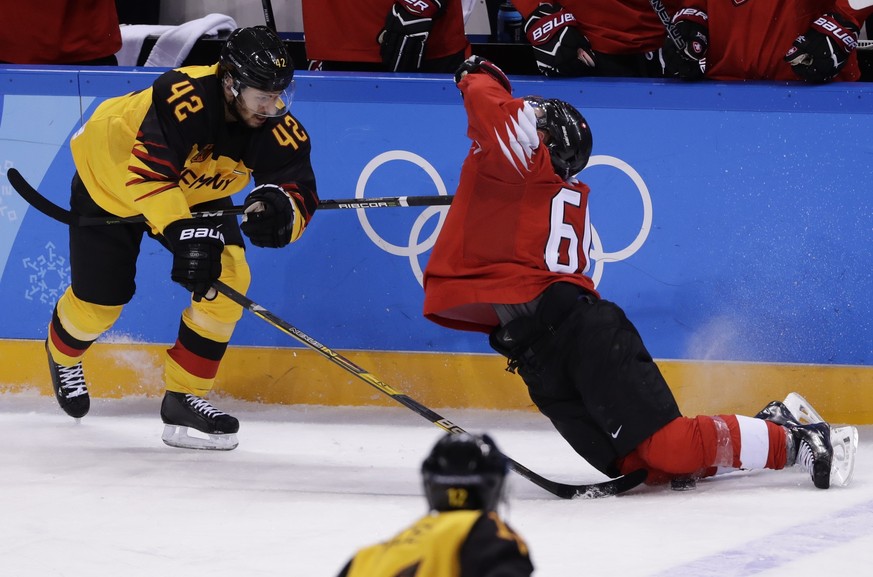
733 221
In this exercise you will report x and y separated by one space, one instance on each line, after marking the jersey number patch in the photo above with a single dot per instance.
289 133
187 106
563 246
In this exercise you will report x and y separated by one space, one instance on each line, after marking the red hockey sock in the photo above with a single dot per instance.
700 445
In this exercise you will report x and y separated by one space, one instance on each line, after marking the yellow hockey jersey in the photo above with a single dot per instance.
450 544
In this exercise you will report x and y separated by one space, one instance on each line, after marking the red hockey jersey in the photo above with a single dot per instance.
514 227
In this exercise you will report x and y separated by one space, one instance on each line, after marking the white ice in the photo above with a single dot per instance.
309 485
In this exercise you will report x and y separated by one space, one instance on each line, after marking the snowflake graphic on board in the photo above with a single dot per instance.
49 275
6 211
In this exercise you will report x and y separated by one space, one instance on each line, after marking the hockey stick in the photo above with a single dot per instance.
268 15
661 11
47 207
585 491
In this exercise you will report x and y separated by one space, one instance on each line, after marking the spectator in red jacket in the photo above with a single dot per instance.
59 32
385 35
812 40
595 37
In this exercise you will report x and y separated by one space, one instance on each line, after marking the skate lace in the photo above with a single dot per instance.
72 380
805 457
202 406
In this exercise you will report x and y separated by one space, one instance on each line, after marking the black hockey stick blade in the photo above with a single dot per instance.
565 491
50 209
38 201
609 488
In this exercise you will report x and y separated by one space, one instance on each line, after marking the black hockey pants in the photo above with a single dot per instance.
589 372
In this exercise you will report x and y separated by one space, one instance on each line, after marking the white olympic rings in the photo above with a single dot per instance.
415 247
597 254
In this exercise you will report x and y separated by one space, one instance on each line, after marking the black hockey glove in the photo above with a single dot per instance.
692 26
404 36
197 245
269 216
479 64
820 54
560 49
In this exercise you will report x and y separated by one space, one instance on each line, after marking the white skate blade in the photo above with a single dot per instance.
178 436
845 443
801 409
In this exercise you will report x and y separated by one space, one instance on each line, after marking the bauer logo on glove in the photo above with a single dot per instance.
821 53
560 49
547 26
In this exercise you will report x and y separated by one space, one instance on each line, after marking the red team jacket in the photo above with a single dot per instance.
748 39
58 31
514 226
344 31
614 26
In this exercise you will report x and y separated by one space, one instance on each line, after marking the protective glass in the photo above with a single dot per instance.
263 103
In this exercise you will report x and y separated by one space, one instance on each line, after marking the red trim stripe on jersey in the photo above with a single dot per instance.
145 156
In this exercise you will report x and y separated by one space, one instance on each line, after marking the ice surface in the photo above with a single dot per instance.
308 485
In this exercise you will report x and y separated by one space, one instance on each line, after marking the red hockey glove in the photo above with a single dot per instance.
269 216
560 49
405 34
478 64
692 26
820 54
197 245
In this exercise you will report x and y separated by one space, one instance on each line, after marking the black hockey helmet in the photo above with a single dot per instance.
571 141
464 471
256 57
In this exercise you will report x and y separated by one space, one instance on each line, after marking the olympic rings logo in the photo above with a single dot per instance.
415 246
597 253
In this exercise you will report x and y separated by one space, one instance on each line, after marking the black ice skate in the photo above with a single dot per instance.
810 447
182 411
795 411
69 385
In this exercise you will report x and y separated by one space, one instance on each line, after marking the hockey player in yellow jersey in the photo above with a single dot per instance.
198 135
463 535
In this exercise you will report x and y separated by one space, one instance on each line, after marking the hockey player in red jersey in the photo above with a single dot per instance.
812 40
187 143
595 37
510 261
385 35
